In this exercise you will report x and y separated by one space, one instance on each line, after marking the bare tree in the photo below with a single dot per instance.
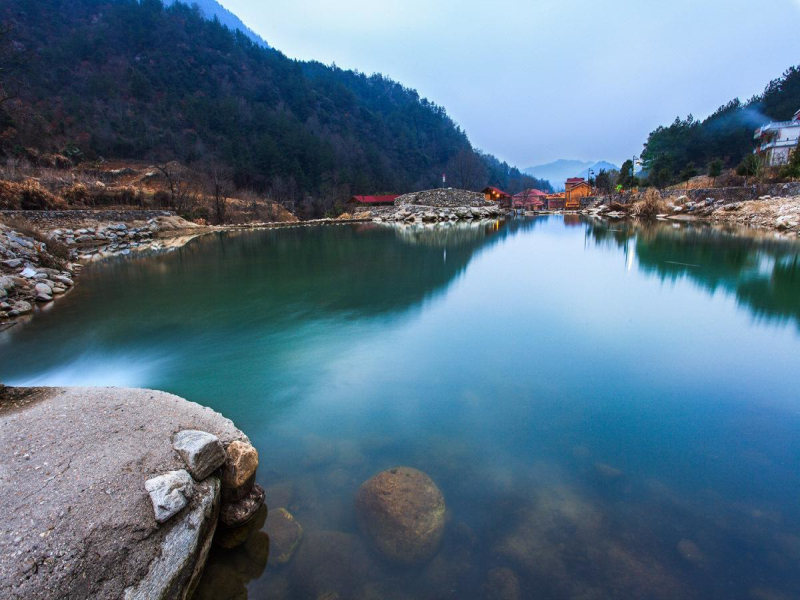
184 193
467 170
220 190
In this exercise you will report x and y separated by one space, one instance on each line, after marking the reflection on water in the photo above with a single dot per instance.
610 411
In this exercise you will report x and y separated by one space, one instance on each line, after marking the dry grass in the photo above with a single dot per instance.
27 195
650 205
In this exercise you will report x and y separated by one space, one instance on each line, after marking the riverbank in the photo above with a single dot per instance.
41 252
771 208
78 519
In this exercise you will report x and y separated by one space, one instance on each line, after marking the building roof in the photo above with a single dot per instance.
491 189
531 193
387 199
576 180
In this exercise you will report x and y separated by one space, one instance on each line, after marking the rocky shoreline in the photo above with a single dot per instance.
41 252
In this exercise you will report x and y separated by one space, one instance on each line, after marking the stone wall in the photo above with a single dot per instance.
122 215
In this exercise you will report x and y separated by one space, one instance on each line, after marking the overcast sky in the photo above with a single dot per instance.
537 80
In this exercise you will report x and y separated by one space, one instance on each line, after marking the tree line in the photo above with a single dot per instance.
135 79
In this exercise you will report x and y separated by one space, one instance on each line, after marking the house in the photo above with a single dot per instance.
556 201
577 189
493 194
367 201
778 140
531 199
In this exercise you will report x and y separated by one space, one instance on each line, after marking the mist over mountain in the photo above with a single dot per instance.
559 171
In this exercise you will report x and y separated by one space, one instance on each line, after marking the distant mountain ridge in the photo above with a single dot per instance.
212 8
559 171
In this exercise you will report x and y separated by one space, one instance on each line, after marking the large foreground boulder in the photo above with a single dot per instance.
402 512
78 519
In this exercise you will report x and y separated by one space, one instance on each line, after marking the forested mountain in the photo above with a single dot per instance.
135 79
212 9
687 146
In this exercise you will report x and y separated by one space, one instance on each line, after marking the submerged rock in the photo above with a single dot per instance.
169 493
331 564
201 452
284 533
502 584
402 511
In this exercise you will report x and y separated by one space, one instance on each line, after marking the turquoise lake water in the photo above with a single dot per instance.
610 411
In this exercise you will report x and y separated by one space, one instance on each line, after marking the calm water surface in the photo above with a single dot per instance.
609 411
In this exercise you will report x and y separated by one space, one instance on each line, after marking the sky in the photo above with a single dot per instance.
538 80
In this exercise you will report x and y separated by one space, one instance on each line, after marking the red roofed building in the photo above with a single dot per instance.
493 194
531 199
372 200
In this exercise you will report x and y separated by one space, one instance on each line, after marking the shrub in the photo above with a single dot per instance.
28 195
650 206
792 170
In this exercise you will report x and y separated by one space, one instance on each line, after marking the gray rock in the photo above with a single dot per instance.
82 239
43 288
236 514
169 493
21 308
64 280
13 263
28 272
176 571
202 452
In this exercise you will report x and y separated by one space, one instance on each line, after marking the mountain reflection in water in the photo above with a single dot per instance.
610 411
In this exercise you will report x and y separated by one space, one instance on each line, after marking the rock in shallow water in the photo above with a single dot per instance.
238 513
284 533
202 452
402 511
169 493
239 471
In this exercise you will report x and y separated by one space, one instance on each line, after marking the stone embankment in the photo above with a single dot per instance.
115 493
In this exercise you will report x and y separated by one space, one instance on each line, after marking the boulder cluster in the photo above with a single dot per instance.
23 280
410 213
115 235
204 457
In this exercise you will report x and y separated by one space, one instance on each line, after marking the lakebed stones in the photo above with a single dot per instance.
284 533
202 452
403 512
169 493
239 471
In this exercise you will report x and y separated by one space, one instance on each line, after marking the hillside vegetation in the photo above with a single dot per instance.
688 147
136 80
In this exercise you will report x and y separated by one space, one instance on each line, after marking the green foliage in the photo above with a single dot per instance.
727 135
627 178
752 166
792 170
688 172
715 168
133 79
603 182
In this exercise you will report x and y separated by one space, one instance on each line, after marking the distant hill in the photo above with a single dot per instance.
559 171
212 9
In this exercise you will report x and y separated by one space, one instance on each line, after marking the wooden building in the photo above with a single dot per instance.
577 189
493 194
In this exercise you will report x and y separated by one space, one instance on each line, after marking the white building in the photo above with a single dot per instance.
778 140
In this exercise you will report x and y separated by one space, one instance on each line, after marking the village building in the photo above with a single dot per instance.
577 188
556 201
368 201
530 199
493 194
778 140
